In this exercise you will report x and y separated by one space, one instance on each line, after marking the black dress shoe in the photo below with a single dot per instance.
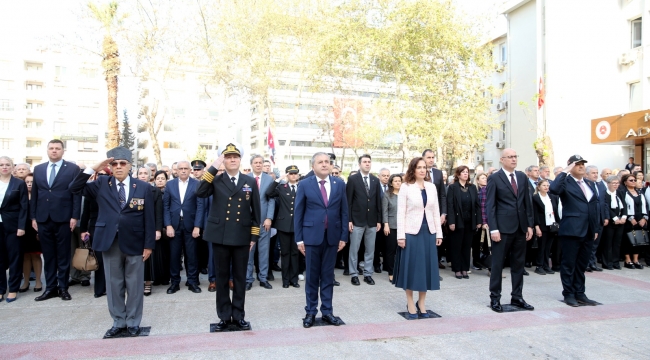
270 277
555 268
583 299
617 266
528 264
609 267
21 290
173 288
85 282
308 321
99 295
549 271
266 285
638 266
540 271
346 272
336 283
629 265
204 271
243 324
221 326
296 285
441 266
285 286
571 301
521 303
113 332
526 273
378 269
355 281
73 282
588 269
495 305
249 286
133 330
65 295
368 280
596 268
338 266
331 319
275 267
194 288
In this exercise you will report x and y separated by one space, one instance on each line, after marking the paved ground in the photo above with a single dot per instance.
468 329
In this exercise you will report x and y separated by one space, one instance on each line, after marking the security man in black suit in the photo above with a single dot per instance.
510 220
233 227
198 169
438 181
579 227
285 193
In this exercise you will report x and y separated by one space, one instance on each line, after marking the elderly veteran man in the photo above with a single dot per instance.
232 228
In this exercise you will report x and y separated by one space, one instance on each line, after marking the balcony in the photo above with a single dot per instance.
34 94
36 151
34 74
37 113
79 137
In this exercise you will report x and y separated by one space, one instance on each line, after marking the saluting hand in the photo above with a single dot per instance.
103 164
218 162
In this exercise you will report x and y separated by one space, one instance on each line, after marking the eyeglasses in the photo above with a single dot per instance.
510 157
632 180
120 163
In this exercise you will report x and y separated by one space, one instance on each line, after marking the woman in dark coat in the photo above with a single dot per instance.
87 228
613 232
389 214
31 248
13 218
464 219
545 208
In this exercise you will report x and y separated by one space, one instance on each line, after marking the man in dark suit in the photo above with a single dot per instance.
202 248
437 179
579 228
183 218
125 233
233 227
54 211
510 220
380 239
591 174
320 219
364 204
285 195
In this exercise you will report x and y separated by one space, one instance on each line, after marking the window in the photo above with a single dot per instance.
503 50
33 87
87 73
5 124
636 33
60 71
635 96
59 127
33 143
206 147
171 145
6 105
33 105
169 127
5 144
6 85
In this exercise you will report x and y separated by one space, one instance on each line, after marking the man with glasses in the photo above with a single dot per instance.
125 233
54 211
510 220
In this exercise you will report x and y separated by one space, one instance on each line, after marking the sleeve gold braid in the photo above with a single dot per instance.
207 177
255 230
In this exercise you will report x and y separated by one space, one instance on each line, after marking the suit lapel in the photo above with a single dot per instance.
10 186
504 178
59 173
190 187
577 189
240 183
316 186
131 193
112 186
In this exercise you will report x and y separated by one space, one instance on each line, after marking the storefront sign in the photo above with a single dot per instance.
621 127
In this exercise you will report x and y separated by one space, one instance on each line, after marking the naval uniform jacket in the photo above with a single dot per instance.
234 217
285 201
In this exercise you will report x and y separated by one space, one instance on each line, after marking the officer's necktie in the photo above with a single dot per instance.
513 183
233 180
122 195
293 190
52 175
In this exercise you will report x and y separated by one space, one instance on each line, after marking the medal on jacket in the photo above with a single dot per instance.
247 189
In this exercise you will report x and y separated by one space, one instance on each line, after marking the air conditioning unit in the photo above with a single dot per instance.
479 158
500 144
628 58
499 67
501 106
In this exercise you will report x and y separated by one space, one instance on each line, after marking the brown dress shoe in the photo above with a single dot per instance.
212 287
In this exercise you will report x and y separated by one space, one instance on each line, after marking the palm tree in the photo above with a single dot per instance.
106 15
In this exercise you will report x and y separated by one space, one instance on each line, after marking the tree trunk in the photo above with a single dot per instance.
111 65
544 151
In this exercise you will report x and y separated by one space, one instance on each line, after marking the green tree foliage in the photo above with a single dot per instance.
128 137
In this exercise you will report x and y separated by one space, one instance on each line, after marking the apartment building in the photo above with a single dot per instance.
47 95
588 59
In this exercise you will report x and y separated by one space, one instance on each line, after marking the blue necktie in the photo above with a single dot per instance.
52 175
122 195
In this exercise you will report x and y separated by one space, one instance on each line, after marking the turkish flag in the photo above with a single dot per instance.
541 95
271 144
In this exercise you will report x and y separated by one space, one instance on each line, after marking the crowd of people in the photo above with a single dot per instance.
239 222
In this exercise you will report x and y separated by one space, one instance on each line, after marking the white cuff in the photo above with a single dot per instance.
494 231
299 242
89 171
615 218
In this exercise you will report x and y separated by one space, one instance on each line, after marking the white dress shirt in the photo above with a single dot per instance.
127 183
56 169
327 186
182 189
236 176
3 191
509 178
587 188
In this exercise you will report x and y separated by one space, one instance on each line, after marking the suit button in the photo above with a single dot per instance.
291 214
50 190
228 205
237 212
238 205
368 209
227 212
239 199
229 198
291 208
226 219
237 219
292 203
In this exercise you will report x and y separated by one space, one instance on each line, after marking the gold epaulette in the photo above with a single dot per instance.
207 177
255 230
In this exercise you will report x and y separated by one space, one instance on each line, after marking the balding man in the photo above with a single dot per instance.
510 219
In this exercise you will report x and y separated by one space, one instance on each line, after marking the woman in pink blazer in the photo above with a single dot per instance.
418 234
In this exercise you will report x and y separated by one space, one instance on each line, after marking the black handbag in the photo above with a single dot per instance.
485 257
555 227
638 237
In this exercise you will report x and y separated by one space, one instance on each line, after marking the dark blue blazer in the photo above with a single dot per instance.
135 224
57 203
193 212
579 216
14 206
310 212
603 206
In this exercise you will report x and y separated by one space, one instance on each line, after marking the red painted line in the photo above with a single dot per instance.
620 280
187 344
